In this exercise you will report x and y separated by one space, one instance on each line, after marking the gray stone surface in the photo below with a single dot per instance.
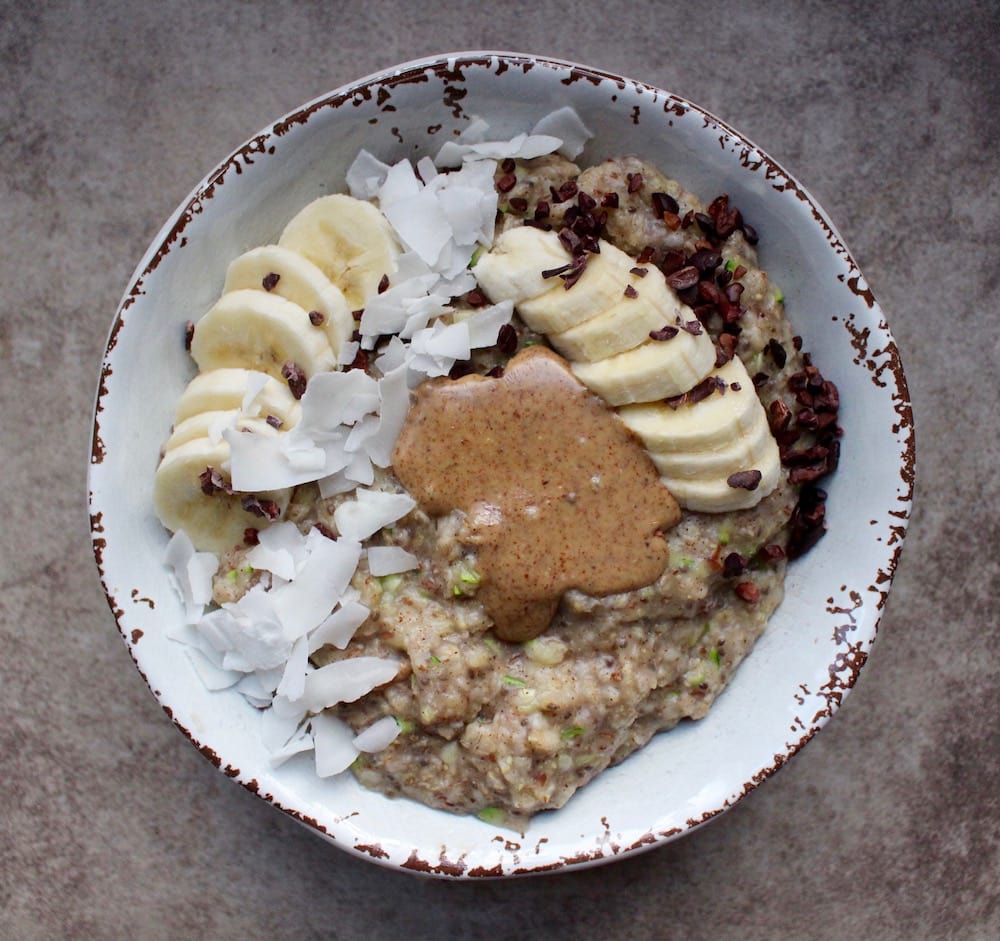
885 827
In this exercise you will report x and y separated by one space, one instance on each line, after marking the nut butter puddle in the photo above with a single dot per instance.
558 494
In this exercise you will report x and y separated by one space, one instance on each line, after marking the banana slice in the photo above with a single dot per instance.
512 269
287 273
601 286
707 425
261 331
657 369
211 425
745 449
716 495
349 240
216 521
223 389
699 446
627 323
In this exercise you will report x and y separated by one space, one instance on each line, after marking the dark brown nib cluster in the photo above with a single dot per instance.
295 377
265 509
583 225
709 289
213 482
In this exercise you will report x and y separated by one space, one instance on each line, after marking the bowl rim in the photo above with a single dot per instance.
171 231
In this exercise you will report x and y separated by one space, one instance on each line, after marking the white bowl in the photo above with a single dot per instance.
810 654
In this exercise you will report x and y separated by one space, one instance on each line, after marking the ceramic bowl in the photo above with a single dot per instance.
810 655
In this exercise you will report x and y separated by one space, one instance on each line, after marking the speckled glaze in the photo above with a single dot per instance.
811 654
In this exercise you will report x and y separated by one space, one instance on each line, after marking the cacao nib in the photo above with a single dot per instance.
745 480
270 281
316 318
777 353
664 333
326 531
507 340
664 202
188 335
733 565
251 536
265 509
295 377
705 259
684 278
213 482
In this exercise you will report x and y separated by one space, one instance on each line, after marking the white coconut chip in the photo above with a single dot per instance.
565 124
377 736
212 676
523 146
293 680
346 681
281 549
370 511
255 385
247 633
301 742
337 398
366 175
192 574
394 398
304 603
339 627
391 560
333 740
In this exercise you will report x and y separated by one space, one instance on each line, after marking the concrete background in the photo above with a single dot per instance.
885 827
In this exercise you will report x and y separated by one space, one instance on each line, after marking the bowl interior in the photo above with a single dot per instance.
810 654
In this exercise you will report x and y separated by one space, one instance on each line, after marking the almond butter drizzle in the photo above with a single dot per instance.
557 493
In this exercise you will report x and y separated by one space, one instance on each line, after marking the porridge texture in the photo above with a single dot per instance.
505 723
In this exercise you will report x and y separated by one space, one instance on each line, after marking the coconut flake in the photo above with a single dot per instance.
255 385
305 602
371 511
366 175
259 463
390 560
339 627
566 125
394 395
301 742
336 398
192 574
484 325
333 741
212 676
522 146
378 735
346 681
247 633
293 681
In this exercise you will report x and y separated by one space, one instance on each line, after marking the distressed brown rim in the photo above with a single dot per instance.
883 363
